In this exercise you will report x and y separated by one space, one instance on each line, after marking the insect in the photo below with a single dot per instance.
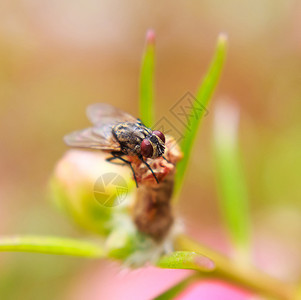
119 133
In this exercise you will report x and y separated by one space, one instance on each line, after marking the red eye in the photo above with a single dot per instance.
160 135
146 148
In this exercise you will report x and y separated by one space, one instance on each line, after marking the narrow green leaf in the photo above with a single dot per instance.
172 292
186 260
147 81
198 110
232 187
50 245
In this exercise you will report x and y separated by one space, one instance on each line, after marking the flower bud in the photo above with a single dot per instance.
90 189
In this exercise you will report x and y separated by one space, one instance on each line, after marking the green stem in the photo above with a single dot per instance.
50 245
242 275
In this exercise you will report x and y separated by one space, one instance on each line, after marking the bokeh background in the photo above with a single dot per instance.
57 57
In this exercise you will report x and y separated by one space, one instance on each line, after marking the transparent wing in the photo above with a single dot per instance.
101 114
93 138
103 117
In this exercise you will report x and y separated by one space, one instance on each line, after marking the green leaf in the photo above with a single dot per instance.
203 96
232 187
186 260
147 81
50 245
172 292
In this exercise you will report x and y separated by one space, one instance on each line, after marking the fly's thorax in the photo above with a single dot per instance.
130 135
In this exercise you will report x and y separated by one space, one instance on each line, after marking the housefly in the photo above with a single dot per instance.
121 134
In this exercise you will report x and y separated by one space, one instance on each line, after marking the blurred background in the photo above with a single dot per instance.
57 57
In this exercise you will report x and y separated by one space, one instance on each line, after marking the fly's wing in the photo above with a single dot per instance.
100 114
104 117
93 138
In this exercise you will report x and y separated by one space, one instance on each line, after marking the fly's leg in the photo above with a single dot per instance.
111 160
167 160
119 156
141 158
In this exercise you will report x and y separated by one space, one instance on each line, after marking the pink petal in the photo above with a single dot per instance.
213 290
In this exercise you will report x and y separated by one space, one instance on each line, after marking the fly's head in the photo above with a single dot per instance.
153 145
162 167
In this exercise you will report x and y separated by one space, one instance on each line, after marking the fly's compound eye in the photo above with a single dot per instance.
146 148
160 135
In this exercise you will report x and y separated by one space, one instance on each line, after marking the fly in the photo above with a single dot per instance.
121 134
